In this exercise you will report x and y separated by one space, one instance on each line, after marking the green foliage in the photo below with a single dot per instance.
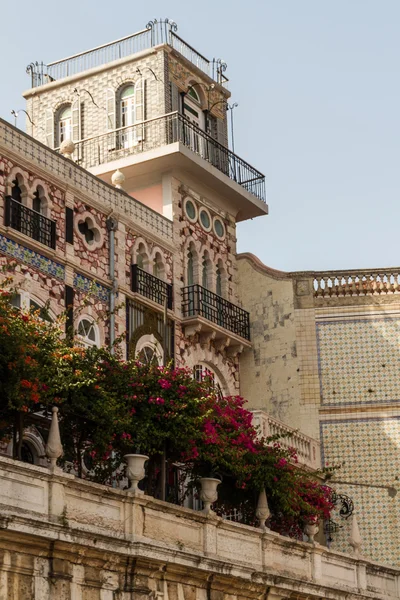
109 407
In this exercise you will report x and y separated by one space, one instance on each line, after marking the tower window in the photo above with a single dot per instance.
65 125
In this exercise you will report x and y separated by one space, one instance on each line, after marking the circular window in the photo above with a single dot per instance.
190 210
219 228
205 219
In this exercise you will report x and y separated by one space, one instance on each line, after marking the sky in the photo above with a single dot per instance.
318 88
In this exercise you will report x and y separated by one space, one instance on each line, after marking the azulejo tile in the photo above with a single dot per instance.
31 258
91 287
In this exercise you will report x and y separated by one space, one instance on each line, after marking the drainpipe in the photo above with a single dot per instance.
112 225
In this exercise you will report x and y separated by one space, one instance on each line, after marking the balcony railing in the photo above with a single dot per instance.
198 301
29 222
307 448
151 286
363 282
157 32
165 130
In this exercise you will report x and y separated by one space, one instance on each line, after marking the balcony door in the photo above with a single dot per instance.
193 112
127 116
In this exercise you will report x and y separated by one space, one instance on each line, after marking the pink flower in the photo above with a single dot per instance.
165 384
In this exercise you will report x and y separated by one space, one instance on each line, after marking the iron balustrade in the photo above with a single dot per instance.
168 129
29 222
150 286
157 32
198 301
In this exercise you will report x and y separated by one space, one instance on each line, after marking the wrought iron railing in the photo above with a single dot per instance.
363 282
165 130
162 31
29 222
151 286
198 301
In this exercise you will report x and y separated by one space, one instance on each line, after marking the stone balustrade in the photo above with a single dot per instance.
307 448
62 537
364 282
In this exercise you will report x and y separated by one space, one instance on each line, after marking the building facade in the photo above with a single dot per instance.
325 353
119 207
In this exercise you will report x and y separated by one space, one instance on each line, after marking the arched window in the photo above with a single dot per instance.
23 301
158 266
149 350
131 112
16 192
206 271
190 268
192 107
202 372
64 124
142 258
88 333
39 200
220 284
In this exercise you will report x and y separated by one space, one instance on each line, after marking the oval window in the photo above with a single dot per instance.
205 219
219 228
190 210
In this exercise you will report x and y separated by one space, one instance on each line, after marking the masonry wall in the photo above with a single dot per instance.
270 369
346 391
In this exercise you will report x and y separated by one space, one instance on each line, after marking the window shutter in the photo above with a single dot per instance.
221 132
50 128
139 100
111 118
69 306
76 120
175 98
69 225
140 106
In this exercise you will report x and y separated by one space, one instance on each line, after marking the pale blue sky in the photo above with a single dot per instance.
317 82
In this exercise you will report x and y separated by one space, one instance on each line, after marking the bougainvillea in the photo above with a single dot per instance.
109 407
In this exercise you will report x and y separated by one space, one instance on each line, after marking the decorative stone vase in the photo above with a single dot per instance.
117 179
54 449
262 511
209 493
67 148
135 471
311 529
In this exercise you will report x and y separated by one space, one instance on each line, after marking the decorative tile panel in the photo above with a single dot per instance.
88 286
367 449
31 258
359 360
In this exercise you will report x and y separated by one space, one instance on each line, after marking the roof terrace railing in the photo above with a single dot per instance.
162 31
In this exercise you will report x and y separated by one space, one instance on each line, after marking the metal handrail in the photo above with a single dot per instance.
156 33
168 129
199 301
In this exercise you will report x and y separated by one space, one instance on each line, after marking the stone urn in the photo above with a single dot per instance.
117 179
311 529
209 493
135 471
67 148
262 511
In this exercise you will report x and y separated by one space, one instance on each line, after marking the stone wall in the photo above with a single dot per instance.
68 539
341 352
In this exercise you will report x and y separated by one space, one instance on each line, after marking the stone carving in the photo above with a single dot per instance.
209 493
135 470
262 512
355 537
117 179
54 449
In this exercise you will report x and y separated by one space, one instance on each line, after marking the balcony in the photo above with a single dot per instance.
151 287
157 32
164 131
206 312
30 223
307 448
